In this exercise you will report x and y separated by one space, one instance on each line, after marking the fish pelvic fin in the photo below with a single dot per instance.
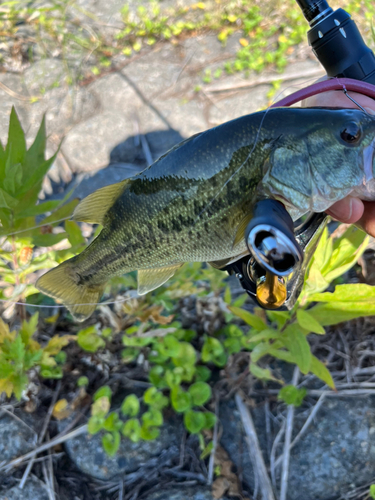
93 208
61 283
149 279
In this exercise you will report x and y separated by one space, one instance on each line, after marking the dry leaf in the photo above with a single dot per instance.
62 409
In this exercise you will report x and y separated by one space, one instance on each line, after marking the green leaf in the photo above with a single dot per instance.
291 395
15 350
181 400
155 398
104 391
267 334
28 328
6 369
83 382
152 418
213 351
372 491
132 430
347 302
111 443
32 358
112 422
202 374
306 321
149 433
130 406
232 345
210 419
13 178
89 339
74 232
16 147
186 355
172 378
346 251
19 381
169 346
249 318
194 421
35 155
298 346
62 212
6 200
261 373
95 424
321 371
200 393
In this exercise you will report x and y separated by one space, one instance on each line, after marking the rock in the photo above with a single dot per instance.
34 489
43 75
14 83
181 493
16 437
338 451
87 453
234 442
87 146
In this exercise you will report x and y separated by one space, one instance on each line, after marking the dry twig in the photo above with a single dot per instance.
254 450
287 441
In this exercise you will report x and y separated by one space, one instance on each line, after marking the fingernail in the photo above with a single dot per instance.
342 210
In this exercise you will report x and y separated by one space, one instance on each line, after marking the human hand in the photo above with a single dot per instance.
349 210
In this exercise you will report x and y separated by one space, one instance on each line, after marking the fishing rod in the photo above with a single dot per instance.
273 273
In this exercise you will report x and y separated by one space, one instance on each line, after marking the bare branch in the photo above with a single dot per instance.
254 449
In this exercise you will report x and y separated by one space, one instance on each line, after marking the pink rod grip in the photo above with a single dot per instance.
332 84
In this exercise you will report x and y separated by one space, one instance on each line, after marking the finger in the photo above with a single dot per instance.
367 221
336 98
348 210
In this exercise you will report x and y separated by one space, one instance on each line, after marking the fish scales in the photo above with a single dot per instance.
193 203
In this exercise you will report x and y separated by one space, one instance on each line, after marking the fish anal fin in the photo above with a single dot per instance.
240 234
149 279
93 208
61 284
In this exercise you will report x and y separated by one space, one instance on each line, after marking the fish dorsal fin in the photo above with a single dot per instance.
149 279
240 234
93 208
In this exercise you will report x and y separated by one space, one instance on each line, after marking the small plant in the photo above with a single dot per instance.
19 353
22 172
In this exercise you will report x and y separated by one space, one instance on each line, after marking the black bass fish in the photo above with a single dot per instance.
194 203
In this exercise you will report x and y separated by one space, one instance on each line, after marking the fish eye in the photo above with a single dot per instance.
351 134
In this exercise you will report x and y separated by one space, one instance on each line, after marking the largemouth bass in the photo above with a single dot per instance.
194 203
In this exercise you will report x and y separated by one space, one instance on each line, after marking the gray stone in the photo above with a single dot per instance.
44 74
87 146
87 453
187 117
181 493
14 83
16 437
240 104
34 489
338 451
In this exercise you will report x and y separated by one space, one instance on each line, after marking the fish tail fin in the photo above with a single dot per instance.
61 283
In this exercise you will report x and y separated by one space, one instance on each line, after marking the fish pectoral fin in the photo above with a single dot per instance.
93 208
61 284
149 279
219 264
240 234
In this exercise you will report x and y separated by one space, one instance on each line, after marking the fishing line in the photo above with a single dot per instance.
59 306
34 227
